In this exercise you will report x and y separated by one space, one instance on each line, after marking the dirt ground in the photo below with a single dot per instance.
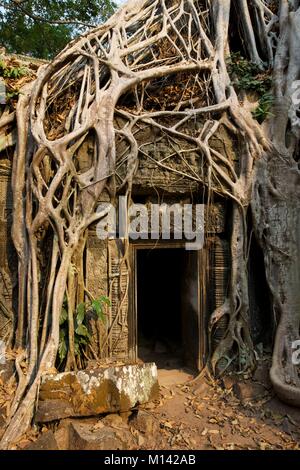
190 414
224 415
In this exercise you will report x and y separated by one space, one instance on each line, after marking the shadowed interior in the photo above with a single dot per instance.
159 305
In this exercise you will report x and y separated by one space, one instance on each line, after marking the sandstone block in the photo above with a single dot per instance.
85 437
97 391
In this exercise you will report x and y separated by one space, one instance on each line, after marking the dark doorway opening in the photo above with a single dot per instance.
160 306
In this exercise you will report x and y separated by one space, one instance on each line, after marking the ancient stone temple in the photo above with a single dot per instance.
161 301
139 324
161 294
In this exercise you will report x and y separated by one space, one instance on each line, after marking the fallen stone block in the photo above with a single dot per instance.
248 391
62 438
114 421
144 423
229 381
62 432
85 437
96 391
45 441
262 375
126 415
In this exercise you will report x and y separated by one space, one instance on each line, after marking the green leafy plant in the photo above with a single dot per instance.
12 95
82 335
9 71
263 109
246 75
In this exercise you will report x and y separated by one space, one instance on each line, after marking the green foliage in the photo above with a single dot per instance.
97 306
9 71
62 347
10 74
41 28
264 106
12 95
64 313
81 333
247 76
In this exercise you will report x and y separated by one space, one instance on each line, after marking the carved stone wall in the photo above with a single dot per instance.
107 274
8 263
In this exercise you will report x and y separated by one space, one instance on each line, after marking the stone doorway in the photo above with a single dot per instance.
167 310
